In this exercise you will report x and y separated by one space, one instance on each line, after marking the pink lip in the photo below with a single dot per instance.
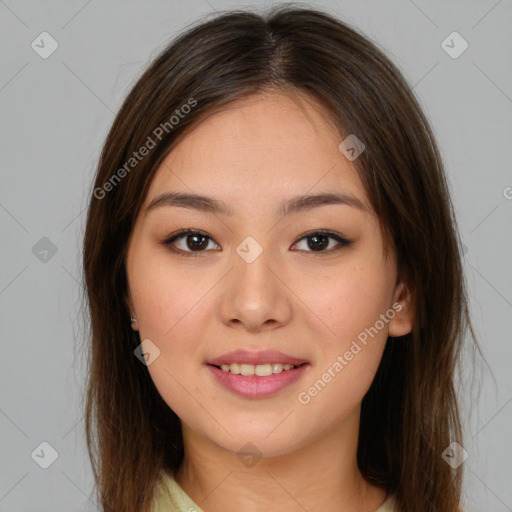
262 357
254 386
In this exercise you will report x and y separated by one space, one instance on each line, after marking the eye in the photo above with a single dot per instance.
319 240
195 241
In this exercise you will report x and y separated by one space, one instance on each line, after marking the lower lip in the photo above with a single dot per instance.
253 386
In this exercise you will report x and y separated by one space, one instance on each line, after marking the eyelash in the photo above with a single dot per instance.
343 242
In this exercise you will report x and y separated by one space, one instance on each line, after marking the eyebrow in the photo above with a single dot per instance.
288 207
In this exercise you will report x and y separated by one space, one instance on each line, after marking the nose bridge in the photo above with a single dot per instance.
252 275
254 294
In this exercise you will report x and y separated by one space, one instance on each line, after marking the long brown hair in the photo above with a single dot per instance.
410 414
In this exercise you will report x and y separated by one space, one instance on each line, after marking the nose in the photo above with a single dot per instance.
254 295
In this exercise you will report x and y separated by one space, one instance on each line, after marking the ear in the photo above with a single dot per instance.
403 305
131 310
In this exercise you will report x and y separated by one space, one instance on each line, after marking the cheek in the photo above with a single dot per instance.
347 300
347 306
166 298
175 387
349 354
168 305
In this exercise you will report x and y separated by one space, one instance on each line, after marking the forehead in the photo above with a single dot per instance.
263 147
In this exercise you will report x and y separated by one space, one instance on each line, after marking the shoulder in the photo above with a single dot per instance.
162 499
389 505
170 497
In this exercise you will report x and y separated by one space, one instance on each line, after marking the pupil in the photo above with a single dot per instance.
197 245
318 245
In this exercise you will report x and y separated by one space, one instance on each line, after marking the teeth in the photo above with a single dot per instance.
261 370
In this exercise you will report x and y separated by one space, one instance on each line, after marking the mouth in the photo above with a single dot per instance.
257 370
256 381
253 375
261 358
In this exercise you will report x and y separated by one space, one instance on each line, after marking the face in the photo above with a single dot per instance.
308 280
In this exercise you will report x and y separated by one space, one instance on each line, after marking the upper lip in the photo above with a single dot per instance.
261 357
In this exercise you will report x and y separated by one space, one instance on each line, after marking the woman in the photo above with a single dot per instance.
271 217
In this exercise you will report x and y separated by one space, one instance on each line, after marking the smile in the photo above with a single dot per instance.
261 370
251 385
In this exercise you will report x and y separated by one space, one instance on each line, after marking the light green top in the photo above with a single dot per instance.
170 497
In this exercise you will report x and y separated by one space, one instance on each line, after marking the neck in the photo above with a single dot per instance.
319 475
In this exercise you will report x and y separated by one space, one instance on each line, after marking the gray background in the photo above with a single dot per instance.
55 113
